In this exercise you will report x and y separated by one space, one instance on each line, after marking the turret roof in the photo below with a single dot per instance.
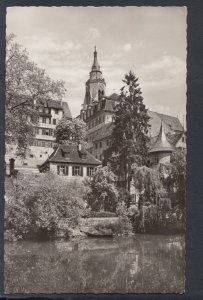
95 65
161 144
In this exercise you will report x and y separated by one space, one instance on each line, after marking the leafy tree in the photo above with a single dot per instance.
70 131
174 177
27 86
101 192
129 135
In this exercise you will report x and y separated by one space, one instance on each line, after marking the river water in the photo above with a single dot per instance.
142 263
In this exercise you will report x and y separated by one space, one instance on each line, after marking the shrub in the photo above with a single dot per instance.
124 224
99 214
101 192
41 203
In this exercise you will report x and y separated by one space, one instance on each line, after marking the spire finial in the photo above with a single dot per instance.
95 48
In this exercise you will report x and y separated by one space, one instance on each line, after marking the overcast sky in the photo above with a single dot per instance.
151 41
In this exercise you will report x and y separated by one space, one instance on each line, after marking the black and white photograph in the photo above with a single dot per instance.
95 159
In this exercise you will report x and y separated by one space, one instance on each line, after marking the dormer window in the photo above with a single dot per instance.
65 154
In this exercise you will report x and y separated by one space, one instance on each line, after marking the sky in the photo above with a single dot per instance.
150 41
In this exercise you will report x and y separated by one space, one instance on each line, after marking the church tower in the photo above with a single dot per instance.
95 85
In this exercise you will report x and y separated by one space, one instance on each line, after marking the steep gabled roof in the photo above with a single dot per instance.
161 144
74 156
170 123
66 110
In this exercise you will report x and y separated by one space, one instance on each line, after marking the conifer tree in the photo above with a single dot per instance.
130 128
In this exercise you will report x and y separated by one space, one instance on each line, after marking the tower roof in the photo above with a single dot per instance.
95 65
161 144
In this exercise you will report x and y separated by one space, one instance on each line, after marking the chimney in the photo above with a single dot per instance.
12 166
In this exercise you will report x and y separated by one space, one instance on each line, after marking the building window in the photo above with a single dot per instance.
43 143
96 156
96 145
90 171
44 120
31 155
183 139
77 171
56 111
100 144
100 157
54 121
62 170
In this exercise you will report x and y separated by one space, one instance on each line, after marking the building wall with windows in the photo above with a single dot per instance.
70 161
50 112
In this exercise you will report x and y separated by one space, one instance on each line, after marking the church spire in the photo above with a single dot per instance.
95 65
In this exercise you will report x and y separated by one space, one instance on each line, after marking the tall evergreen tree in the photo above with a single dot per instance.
129 136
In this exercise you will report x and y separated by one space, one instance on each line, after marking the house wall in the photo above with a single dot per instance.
53 168
160 158
182 142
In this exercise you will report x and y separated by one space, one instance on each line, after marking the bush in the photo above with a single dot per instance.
41 203
101 192
124 225
99 214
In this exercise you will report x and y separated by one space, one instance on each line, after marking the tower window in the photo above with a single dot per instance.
54 121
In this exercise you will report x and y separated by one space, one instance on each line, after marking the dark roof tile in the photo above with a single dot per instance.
74 156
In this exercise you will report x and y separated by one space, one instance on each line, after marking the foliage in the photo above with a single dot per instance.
99 214
174 177
101 192
41 203
70 131
129 135
26 84
124 224
147 183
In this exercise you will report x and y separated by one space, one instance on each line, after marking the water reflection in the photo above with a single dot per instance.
142 263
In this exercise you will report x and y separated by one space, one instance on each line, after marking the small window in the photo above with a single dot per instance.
183 139
31 155
43 143
90 171
100 157
96 156
56 111
77 171
54 121
40 155
44 120
62 170
96 145
100 144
